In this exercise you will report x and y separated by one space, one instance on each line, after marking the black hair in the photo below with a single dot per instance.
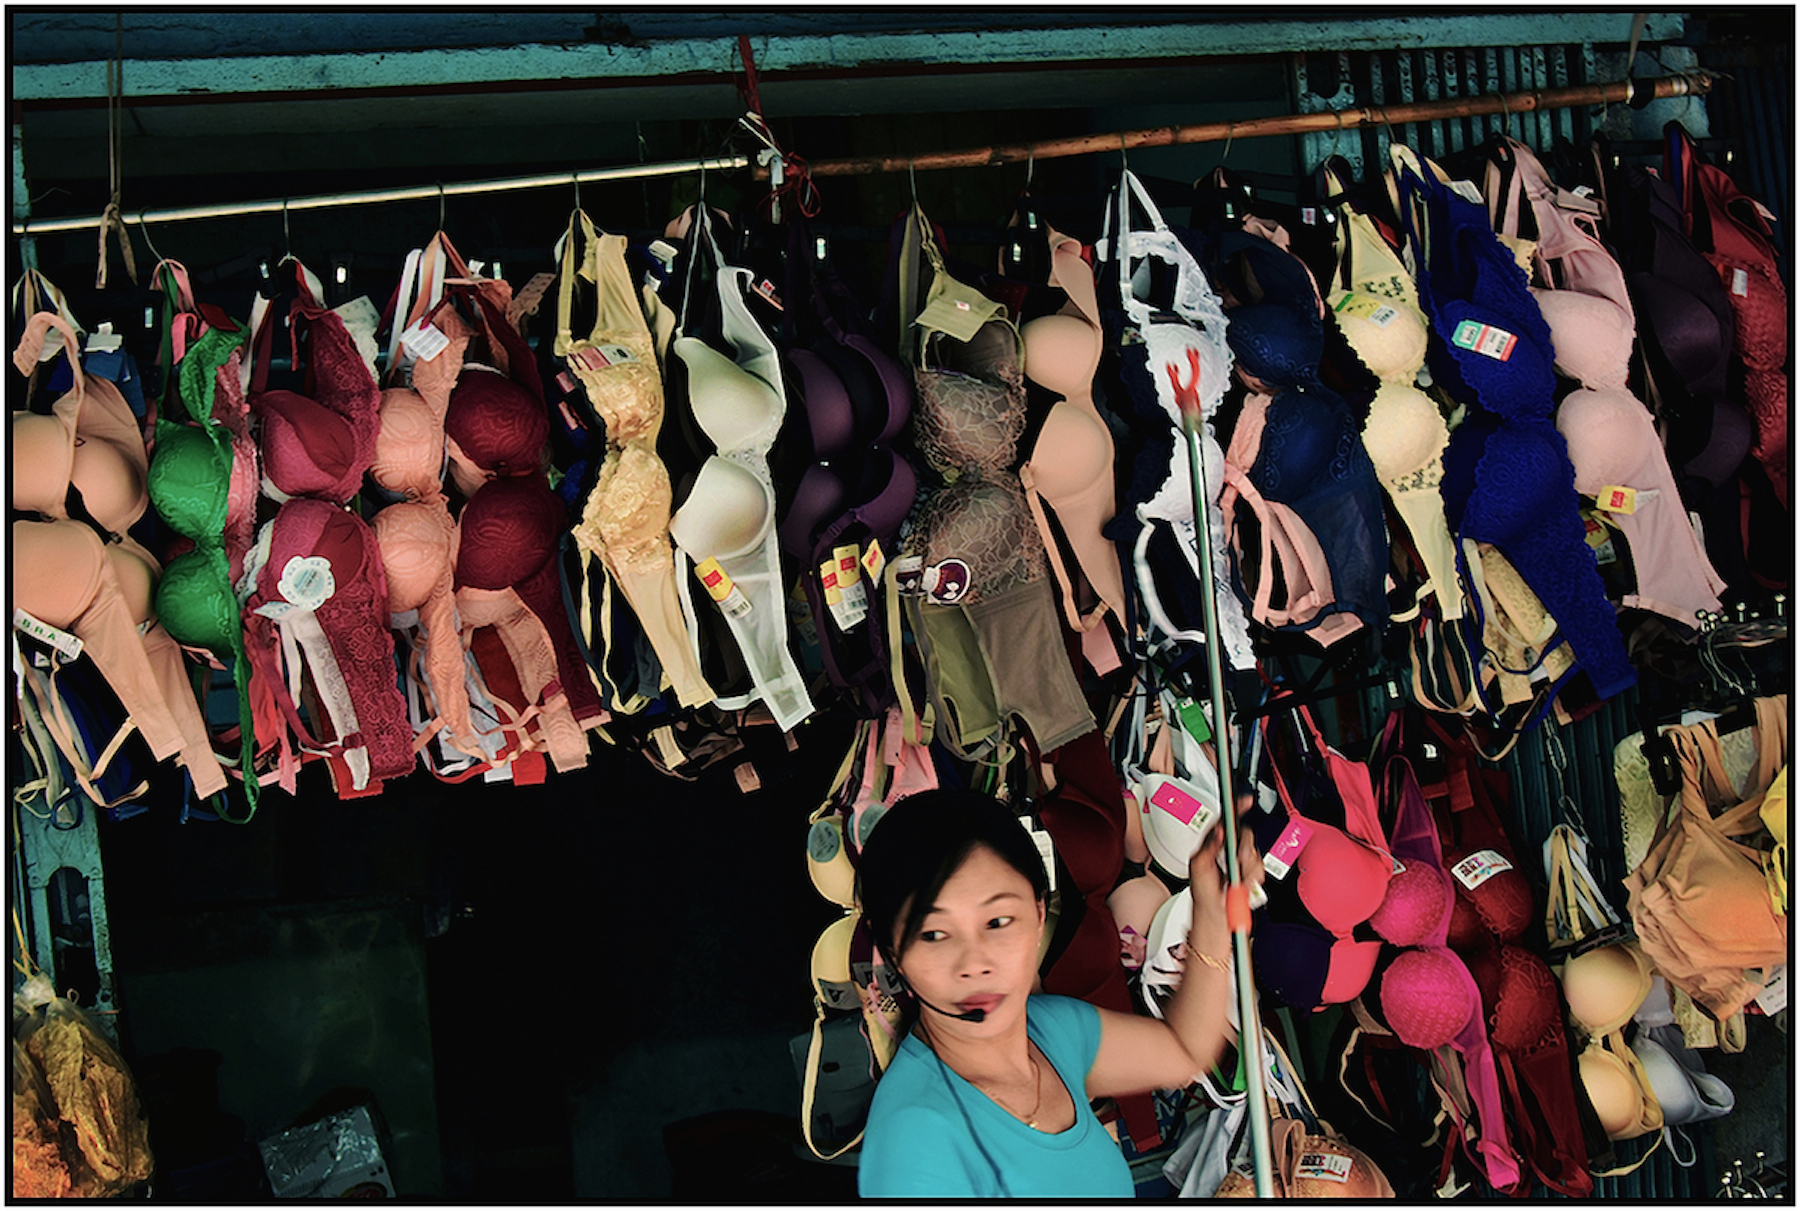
922 841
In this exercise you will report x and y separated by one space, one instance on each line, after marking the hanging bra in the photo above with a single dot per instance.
1494 908
1311 952
990 601
1070 466
1699 900
318 598
204 483
1613 445
88 446
1581 290
729 515
317 444
1689 337
1168 329
416 539
90 450
495 428
509 535
624 525
1375 305
1507 477
66 577
1731 230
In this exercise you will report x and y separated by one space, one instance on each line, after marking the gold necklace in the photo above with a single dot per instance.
1030 1117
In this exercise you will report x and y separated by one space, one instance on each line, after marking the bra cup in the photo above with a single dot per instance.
307 449
1341 882
1611 439
1414 908
1061 351
1134 902
1405 431
111 483
726 514
1733 433
136 575
1519 994
733 406
1616 1097
1519 388
1515 504
507 532
1685 1095
1604 987
415 541
1292 961
190 482
409 447
1500 908
57 570
1425 999
1352 967
496 423
1591 335
195 604
821 497
41 463
1073 453
1393 352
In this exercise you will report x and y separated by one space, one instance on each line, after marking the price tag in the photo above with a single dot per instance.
873 562
721 588
1774 996
844 612
1740 284
59 639
909 575
601 357
849 569
1046 850
1467 190
307 581
1373 309
766 289
1328 1166
1484 339
1616 499
424 340
1479 867
1280 858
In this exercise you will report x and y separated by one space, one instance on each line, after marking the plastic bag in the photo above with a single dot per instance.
92 1095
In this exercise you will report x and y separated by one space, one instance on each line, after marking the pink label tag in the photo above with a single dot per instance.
1280 858
1177 802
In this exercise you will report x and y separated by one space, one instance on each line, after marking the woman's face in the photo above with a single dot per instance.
977 947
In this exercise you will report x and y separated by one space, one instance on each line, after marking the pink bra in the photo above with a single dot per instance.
319 595
315 445
416 540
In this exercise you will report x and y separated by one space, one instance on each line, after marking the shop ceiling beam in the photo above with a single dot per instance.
585 65
410 193
1284 124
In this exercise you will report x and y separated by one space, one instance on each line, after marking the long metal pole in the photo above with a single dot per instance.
1284 124
1237 895
404 194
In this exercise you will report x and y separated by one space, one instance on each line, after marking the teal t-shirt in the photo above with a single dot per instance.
931 1134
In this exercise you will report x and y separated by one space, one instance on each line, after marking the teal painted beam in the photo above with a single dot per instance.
147 80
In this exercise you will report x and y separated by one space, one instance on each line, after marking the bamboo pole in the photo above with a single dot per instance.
1283 124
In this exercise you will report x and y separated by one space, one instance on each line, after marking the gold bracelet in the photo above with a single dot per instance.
1215 963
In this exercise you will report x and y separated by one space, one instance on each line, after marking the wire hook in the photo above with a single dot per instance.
1030 164
287 239
912 179
1124 161
440 186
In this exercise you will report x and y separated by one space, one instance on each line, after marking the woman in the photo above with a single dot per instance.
988 1095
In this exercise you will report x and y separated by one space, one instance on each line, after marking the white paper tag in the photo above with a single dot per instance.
57 638
1467 189
1328 1166
307 581
1740 286
104 340
1774 997
424 340
1046 851
1479 867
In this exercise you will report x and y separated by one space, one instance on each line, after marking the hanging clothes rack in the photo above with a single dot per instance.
622 172
1626 91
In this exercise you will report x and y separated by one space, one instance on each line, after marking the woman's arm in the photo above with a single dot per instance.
1139 1053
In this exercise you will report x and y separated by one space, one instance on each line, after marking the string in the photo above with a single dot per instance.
29 967
111 219
793 179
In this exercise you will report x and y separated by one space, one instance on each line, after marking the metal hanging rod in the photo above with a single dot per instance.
1638 91
406 194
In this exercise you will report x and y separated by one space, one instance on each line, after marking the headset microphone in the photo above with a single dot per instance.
974 1015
